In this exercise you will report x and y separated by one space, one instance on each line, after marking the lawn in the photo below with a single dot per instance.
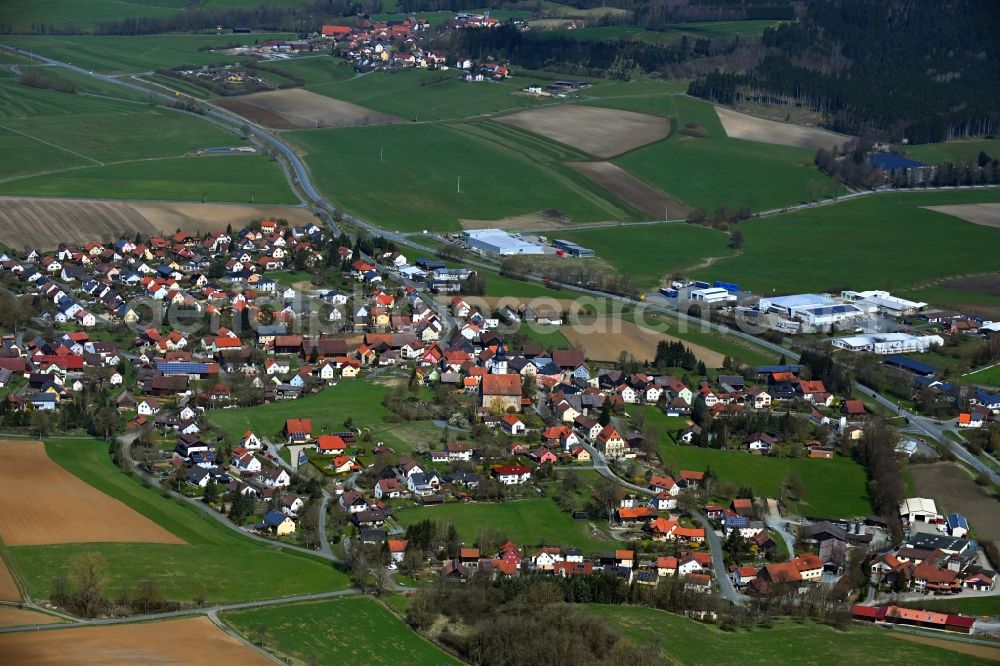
974 605
716 170
835 488
316 69
955 151
133 55
527 522
349 630
422 95
989 376
328 409
216 558
685 641
650 253
882 241
407 177
947 297
224 178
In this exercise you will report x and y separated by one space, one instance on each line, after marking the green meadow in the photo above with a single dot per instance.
882 241
407 176
685 641
21 15
348 630
527 522
215 560
670 35
955 151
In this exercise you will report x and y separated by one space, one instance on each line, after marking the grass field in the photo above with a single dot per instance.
428 95
975 605
215 558
527 522
955 151
316 70
684 641
650 253
989 376
328 410
850 242
969 302
717 170
670 35
351 630
407 177
132 55
86 14
835 488
214 179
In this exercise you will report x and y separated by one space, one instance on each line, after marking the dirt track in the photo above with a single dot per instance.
45 223
189 641
954 492
980 651
604 339
41 503
301 109
633 191
742 126
595 130
984 214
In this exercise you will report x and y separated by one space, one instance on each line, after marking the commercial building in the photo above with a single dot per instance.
812 309
889 343
712 295
883 302
498 242
572 249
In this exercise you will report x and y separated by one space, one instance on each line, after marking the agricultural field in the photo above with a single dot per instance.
135 55
955 492
670 35
835 488
420 166
713 170
8 586
595 130
67 510
206 546
604 339
527 522
220 178
49 222
301 109
315 69
315 633
984 214
21 617
963 295
423 95
751 128
892 225
955 151
989 376
685 641
627 187
187 641
650 254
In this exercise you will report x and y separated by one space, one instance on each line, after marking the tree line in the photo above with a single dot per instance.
910 71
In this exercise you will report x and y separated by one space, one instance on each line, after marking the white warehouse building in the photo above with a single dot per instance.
712 295
889 343
884 302
498 242
813 309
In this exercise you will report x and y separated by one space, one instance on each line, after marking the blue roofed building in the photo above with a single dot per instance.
277 523
910 365
894 165
958 526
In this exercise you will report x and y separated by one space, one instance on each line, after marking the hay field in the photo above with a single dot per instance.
603 339
44 223
984 214
188 641
594 130
41 503
300 109
751 128
628 188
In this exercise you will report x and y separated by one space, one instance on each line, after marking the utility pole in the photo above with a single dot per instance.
380 152
459 188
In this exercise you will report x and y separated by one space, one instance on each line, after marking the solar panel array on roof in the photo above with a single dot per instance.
182 368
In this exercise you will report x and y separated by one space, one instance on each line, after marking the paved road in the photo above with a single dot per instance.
186 612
